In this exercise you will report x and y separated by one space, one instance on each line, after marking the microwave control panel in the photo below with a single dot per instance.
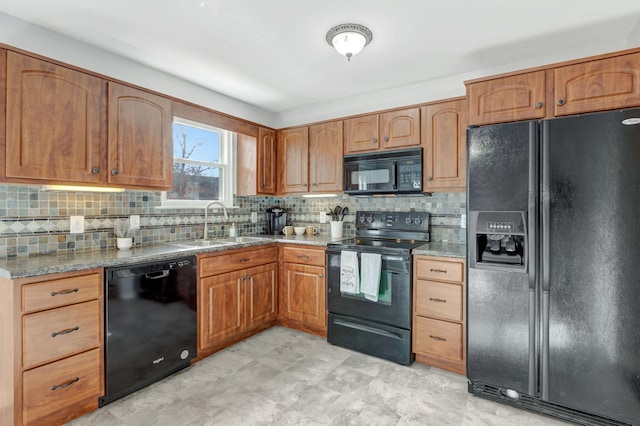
409 174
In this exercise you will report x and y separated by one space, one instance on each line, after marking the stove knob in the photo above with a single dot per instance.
370 219
408 220
417 221
363 219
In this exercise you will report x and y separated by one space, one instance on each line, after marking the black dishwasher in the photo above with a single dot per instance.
150 323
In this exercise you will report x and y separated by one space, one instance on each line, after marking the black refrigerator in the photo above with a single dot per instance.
553 295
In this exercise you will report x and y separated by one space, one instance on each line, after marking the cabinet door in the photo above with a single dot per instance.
260 295
220 310
512 98
293 150
361 134
266 161
325 157
140 138
55 129
304 294
246 165
598 85
400 129
445 146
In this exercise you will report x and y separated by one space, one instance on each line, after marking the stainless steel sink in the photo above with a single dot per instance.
242 239
217 242
202 243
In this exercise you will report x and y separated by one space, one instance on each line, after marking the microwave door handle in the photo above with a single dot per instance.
395 175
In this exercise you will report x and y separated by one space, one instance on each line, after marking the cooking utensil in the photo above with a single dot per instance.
345 211
337 210
333 216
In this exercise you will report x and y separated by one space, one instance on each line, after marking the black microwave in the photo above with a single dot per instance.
380 173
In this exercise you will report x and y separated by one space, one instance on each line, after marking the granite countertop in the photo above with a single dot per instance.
21 267
442 250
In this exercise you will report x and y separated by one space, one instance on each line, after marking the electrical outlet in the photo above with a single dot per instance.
254 217
323 217
76 224
134 221
463 221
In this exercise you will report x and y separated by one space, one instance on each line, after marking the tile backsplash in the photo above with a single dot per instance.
33 221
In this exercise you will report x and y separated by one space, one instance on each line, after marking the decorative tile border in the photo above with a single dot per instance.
35 222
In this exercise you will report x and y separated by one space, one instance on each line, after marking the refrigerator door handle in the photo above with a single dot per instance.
546 212
532 255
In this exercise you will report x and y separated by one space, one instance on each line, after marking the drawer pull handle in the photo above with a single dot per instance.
441 271
64 385
303 256
433 299
71 290
67 331
440 339
243 260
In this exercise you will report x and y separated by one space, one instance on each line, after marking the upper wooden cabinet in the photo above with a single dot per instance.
445 146
55 128
65 126
293 153
310 159
594 84
361 134
597 85
267 178
389 130
512 98
140 138
400 129
325 157
256 163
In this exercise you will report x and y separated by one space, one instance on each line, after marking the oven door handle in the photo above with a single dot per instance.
394 258
367 329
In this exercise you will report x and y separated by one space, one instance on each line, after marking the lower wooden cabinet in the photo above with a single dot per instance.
232 304
303 290
51 362
439 311
61 385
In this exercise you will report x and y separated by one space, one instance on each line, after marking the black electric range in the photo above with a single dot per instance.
380 326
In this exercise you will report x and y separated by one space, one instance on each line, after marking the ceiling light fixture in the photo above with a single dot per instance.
349 39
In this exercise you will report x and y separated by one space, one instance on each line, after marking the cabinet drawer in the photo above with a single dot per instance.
65 291
439 339
56 386
304 256
52 334
439 270
439 300
214 265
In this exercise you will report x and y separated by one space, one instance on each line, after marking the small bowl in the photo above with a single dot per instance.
299 230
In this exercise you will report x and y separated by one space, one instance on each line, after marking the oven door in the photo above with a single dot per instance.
370 176
394 300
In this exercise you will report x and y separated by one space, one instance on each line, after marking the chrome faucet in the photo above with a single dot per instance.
206 216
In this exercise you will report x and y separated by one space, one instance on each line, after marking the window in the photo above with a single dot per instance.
203 165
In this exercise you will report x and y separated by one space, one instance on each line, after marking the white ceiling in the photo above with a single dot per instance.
273 54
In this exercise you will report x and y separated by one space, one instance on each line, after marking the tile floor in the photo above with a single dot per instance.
286 377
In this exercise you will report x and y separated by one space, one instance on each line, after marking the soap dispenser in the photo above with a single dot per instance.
232 230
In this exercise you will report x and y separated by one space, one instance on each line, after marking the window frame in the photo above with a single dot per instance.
227 164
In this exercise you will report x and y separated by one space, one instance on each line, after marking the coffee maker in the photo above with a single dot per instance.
276 220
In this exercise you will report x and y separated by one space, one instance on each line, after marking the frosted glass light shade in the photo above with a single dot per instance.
349 39
349 43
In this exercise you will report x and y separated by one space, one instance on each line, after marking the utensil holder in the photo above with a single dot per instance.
336 228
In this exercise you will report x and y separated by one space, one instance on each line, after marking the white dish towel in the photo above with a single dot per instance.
349 273
370 265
